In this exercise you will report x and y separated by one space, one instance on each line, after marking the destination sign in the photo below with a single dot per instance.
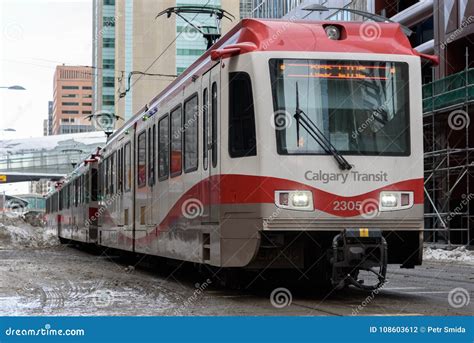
337 71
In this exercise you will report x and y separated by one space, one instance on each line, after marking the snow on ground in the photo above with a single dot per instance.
18 234
460 254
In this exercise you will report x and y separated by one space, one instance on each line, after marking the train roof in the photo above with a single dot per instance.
253 35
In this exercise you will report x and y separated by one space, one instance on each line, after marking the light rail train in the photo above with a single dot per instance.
289 145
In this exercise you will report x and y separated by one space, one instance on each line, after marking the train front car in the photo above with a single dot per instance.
325 167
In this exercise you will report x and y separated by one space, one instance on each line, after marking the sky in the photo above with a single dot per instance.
35 36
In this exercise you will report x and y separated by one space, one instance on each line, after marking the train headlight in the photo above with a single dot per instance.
332 32
390 201
294 200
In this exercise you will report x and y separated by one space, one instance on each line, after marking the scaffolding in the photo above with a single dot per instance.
448 159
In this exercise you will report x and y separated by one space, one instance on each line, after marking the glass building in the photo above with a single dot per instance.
103 50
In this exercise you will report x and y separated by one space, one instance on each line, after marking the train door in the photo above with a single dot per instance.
206 140
210 133
214 148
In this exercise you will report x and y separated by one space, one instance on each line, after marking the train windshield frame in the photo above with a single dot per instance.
362 107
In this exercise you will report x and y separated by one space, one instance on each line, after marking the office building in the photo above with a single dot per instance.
72 100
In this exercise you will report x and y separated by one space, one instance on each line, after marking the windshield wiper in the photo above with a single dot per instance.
310 127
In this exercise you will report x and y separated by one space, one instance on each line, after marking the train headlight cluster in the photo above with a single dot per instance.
294 200
390 201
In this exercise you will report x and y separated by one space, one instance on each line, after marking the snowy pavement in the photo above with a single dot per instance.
40 277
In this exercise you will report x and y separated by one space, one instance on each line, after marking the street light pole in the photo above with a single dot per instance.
15 87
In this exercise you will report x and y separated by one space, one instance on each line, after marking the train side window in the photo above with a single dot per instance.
151 156
163 148
81 193
128 165
176 142
112 173
205 129
60 199
191 124
76 191
106 176
214 124
118 166
119 170
87 193
68 192
242 139
141 161
122 170
94 184
100 179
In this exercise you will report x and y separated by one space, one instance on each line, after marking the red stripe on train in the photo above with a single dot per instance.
249 189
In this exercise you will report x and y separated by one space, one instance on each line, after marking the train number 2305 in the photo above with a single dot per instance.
346 205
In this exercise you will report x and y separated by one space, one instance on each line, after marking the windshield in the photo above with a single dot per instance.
362 107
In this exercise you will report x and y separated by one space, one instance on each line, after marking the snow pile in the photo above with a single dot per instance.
22 235
460 254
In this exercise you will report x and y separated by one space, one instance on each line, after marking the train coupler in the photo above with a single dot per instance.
359 249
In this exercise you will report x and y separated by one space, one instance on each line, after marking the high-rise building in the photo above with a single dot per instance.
156 46
103 54
72 99
50 118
